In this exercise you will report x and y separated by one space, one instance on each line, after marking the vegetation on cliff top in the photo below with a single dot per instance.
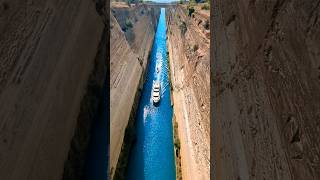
183 28
127 24
177 150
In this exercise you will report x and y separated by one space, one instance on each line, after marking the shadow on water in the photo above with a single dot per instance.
97 159
152 155
98 151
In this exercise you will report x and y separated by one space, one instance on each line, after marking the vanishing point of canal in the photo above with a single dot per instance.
152 156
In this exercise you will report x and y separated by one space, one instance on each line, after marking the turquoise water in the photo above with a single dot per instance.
152 157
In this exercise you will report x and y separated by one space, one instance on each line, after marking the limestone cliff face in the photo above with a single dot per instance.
266 101
47 53
138 24
188 46
132 32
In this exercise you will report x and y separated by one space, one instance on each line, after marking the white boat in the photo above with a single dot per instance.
156 92
157 69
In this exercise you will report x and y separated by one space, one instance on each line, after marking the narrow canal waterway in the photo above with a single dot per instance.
152 156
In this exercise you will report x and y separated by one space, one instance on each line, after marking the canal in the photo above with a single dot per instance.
152 156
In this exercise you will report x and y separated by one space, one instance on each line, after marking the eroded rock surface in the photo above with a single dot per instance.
266 101
47 52
188 46
132 33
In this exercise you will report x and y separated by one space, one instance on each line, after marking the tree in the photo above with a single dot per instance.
129 2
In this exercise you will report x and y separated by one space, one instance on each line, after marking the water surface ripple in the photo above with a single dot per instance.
152 157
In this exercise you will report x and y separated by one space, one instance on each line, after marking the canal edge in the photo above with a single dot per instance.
119 172
176 139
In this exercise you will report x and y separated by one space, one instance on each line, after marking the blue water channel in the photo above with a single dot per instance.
152 157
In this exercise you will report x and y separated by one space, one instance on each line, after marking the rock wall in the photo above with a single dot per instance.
47 53
93 112
266 101
132 33
188 47
139 25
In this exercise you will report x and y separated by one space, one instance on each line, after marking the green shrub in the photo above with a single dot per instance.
128 23
191 10
124 29
177 144
205 7
206 25
129 2
195 47
183 28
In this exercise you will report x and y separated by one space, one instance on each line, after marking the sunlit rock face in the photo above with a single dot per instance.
188 49
132 31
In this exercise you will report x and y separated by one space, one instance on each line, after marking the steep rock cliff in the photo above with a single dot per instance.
139 25
188 47
132 33
266 101
47 53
